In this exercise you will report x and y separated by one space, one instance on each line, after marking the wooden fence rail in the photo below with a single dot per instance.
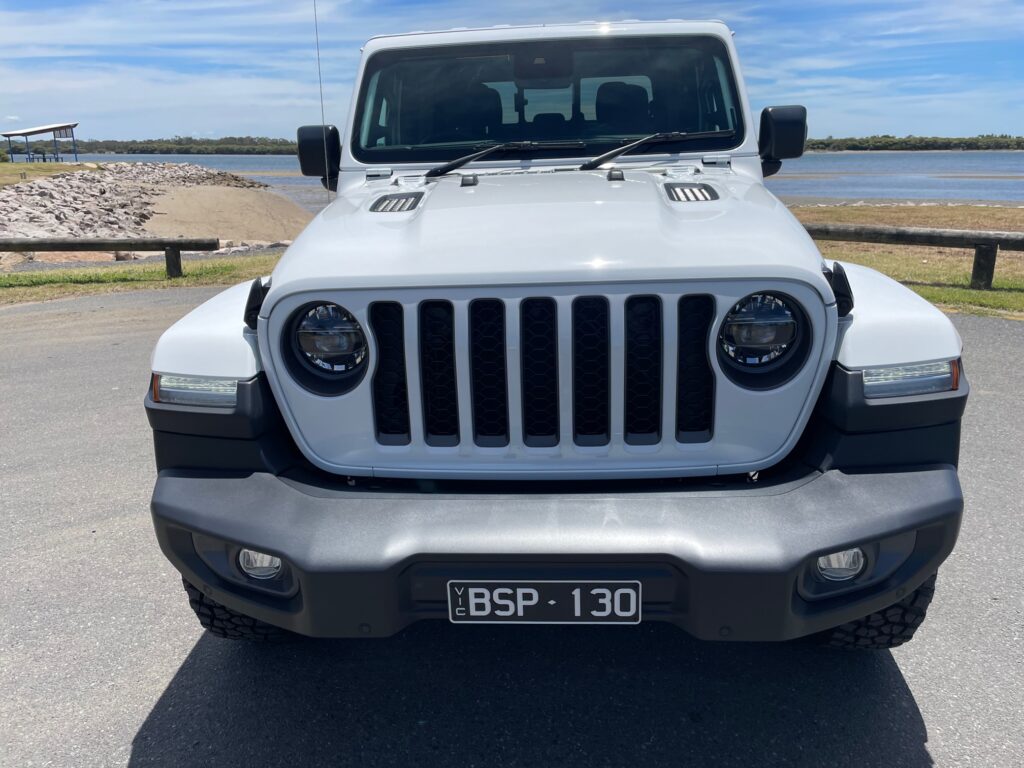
171 246
986 245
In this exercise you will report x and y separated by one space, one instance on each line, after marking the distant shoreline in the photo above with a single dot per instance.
263 147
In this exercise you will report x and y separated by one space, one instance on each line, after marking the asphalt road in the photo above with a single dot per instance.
103 663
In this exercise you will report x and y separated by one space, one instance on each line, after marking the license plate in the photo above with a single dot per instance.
544 602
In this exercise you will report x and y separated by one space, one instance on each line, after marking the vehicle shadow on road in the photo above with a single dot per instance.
441 695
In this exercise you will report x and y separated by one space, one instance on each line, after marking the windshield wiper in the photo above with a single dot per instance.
508 146
654 138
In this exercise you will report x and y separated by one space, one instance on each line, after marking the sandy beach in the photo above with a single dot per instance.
145 199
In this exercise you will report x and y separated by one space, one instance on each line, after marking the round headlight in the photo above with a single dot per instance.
761 329
331 339
326 348
763 341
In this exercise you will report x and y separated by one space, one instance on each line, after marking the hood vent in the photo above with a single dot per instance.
402 202
691 193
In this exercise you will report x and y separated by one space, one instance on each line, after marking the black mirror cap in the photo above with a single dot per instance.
320 153
782 136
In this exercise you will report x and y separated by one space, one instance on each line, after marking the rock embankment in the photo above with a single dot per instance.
114 201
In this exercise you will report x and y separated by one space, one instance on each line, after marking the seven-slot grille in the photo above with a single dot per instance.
531 389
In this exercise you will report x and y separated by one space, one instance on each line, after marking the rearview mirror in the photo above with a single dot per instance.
320 153
782 137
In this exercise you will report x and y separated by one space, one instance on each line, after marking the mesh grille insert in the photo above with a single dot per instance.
437 373
538 341
590 370
488 371
643 370
695 393
390 387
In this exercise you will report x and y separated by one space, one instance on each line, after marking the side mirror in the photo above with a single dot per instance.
320 153
783 134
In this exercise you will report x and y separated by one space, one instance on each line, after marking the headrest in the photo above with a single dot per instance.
622 104
549 121
472 113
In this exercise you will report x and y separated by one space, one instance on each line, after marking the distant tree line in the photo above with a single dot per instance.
179 145
912 143
259 145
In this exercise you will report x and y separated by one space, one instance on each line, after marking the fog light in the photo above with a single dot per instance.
259 565
841 566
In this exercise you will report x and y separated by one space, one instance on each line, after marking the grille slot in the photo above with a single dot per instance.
390 386
695 390
437 373
488 372
538 341
643 370
591 369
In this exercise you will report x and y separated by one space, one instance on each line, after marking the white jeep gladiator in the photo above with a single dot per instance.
555 355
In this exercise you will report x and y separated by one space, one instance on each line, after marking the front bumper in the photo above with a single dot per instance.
722 563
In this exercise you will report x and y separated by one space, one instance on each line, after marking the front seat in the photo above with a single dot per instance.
623 108
472 114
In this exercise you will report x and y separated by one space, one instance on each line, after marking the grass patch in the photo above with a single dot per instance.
47 284
939 216
10 173
941 275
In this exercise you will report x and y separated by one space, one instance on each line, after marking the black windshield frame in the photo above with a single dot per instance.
412 154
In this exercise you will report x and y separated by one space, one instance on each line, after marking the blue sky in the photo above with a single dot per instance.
157 68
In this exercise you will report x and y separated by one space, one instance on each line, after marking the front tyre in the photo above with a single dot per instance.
232 625
887 628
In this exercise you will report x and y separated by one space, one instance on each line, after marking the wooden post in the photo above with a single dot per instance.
984 266
172 256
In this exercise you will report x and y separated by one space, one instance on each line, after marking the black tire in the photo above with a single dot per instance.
224 622
888 628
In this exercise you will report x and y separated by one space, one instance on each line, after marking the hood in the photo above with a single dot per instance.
549 227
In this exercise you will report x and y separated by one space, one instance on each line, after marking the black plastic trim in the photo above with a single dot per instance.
257 293
254 413
844 405
841 289
734 557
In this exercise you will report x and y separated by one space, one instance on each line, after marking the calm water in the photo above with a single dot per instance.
977 176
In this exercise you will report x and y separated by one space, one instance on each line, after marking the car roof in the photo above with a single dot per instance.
548 32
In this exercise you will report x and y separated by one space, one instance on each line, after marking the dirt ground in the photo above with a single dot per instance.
228 214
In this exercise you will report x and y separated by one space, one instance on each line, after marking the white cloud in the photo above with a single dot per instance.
12 119
158 67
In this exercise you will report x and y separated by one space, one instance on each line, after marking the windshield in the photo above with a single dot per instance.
437 103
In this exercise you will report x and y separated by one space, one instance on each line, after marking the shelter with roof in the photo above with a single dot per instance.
59 131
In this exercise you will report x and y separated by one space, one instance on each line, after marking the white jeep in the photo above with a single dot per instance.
555 355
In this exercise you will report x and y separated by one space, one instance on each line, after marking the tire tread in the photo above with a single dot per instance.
223 622
889 628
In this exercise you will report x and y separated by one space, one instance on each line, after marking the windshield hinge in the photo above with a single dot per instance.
372 174
717 161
